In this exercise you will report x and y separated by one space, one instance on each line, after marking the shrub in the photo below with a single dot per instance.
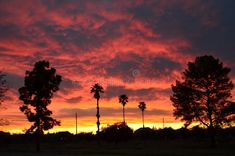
117 132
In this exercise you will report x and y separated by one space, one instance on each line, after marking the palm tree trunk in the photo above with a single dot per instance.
123 110
98 117
143 118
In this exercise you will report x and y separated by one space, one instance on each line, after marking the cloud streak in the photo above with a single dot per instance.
110 112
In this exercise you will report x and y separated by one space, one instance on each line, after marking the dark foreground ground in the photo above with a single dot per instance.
177 147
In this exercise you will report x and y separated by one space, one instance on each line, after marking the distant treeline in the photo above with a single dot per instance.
120 132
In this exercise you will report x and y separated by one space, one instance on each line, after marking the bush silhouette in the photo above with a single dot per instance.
145 133
117 132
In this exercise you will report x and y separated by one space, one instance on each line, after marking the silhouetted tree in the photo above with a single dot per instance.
142 107
3 89
37 92
123 99
203 95
97 89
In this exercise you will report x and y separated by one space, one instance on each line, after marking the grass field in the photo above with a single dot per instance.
93 148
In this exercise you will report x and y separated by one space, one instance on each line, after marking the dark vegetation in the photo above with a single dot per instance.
120 139
120 132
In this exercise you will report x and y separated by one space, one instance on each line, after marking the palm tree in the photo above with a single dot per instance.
97 89
123 99
142 107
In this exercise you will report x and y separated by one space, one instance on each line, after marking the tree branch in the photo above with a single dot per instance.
202 121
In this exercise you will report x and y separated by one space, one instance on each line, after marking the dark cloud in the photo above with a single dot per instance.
163 65
10 31
84 38
177 23
219 39
109 112
213 33
4 49
207 25
145 94
14 81
70 84
161 68
67 86
124 66
132 65
123 69
147 12
74 100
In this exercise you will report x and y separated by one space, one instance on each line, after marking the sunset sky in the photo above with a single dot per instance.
132 47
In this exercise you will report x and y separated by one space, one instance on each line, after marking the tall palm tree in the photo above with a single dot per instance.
97 89
123 99
142 107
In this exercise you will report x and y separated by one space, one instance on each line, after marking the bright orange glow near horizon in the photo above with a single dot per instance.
133 47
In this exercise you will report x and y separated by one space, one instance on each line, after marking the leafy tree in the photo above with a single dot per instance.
3 89
123 99
142 107
204 94
37 92
97 89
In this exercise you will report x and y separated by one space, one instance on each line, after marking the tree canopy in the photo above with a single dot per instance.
204 93
123 99
97 89
142 106
37 92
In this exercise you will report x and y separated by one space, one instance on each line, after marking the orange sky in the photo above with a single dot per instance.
133 47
